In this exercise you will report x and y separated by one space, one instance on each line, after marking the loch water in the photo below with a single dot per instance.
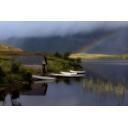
105 84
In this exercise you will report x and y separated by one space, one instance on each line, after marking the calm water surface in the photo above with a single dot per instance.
105 84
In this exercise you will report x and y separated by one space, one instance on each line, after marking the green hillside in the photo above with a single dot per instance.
6 51
91 56
7 48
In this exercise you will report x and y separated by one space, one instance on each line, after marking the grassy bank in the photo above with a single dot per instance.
13 71
98 56
58 62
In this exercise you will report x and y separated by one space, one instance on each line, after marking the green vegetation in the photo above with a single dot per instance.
11 72
61 62
5 47
2 76
98 56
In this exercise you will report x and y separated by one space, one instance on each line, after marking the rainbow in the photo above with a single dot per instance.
94 43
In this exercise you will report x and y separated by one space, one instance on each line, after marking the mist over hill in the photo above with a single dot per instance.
68 43
115 43
99 41
66 36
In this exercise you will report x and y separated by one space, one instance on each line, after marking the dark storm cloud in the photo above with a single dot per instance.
43 28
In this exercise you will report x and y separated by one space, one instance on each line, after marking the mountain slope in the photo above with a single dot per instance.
116 43
69 43
4 47
99 41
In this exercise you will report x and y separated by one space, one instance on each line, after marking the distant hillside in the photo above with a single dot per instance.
99 41
114 44
69 43
95 56
4 47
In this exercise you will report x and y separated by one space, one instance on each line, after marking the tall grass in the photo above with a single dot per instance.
101 86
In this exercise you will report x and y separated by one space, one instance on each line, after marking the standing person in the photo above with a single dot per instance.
44 65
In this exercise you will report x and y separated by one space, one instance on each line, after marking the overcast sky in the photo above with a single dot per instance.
38 28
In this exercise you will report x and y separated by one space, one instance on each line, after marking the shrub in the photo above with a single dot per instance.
15 68
66 55
78 60
57 55
2 74
27 77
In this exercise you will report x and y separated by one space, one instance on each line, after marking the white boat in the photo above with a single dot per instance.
68 73
77 72
71 74
43 77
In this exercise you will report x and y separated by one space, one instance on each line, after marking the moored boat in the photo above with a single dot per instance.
68 73
77 72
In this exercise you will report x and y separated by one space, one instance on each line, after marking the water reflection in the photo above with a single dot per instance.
2 97
107 81
45 87
68 81
103 85
15 91
106 88
38 88
15 95
102 89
